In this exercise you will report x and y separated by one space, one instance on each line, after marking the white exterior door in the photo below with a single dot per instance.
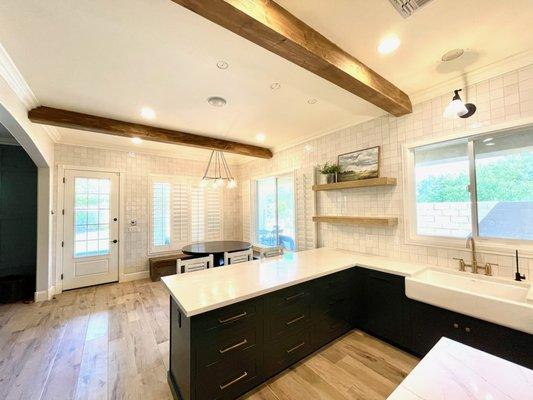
90 228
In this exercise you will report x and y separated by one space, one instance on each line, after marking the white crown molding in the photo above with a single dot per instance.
17 83
461 80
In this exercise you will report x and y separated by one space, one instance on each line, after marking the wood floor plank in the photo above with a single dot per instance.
112 341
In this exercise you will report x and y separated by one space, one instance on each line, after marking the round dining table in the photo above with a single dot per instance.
217 248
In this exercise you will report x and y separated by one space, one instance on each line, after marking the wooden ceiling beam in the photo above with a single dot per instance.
92 123
270 26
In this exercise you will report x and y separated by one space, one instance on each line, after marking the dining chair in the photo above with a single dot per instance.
194 264
267 252
236 257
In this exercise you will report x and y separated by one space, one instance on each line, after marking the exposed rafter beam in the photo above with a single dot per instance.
93 123
269 25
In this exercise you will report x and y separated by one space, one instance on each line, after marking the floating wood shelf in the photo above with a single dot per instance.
372 221
356 184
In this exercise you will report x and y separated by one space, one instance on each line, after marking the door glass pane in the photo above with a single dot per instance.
91 217
443 205
286 231
266 212
504 180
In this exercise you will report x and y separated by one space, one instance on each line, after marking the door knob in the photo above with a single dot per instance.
456 325
115 219
467 329
114 241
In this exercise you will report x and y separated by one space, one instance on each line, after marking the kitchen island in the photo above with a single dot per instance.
233 328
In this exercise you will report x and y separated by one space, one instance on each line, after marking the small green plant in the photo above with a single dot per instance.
328 168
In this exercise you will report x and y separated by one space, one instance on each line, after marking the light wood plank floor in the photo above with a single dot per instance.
111 342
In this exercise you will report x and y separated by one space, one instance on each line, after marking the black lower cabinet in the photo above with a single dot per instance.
224 353
382 309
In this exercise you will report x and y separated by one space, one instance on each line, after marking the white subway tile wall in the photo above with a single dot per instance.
137 191
504 98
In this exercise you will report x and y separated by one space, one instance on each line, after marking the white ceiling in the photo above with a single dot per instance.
111 58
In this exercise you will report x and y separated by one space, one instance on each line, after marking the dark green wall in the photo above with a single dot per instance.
18 212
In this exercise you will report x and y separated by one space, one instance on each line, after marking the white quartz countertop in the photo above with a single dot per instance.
455 371
202 291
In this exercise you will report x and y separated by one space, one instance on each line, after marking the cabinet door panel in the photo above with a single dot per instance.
429 324
383 306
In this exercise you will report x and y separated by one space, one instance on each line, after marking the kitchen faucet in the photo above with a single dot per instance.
471 244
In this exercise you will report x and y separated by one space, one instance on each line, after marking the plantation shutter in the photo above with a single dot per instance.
161 216
197 213
180 215
213 214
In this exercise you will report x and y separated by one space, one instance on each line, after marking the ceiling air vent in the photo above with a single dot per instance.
407 7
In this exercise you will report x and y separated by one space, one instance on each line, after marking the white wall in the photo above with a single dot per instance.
137 191
504 98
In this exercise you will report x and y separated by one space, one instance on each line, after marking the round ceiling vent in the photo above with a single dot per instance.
452 54
216 101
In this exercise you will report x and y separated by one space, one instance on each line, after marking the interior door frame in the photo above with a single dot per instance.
60 219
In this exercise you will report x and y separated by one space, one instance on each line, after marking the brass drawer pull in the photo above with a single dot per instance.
235 346
295 347
235 317
244 375
292 321
295 296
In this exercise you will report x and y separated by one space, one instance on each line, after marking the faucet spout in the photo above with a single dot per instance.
470 244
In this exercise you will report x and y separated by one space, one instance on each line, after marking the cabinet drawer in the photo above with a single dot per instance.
287 350
299 294
229 379
290 319
239 314
219 346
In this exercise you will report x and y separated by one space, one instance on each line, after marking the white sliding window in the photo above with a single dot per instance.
480 186
182 213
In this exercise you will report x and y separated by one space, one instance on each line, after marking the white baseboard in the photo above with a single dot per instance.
134 276
44 295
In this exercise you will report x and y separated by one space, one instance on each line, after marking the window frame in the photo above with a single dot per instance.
172 180
253 203
486 244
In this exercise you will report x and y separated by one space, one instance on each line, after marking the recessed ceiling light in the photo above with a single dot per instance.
147 113
489 144
275 86
389 44
222 65
489 139
260 137
452 55
312 101
216 101
308 147
136 140
131 154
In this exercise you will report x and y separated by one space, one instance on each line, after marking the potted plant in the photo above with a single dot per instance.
331 171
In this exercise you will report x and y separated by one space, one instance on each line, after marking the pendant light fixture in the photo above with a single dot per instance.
218 172
457 109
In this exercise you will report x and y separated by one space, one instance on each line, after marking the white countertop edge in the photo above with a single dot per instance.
215 306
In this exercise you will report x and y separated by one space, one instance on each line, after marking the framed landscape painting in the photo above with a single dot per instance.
360 164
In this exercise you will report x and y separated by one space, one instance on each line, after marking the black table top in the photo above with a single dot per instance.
216 247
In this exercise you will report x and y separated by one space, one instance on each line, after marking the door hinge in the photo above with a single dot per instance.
63 211
62 244
61 276
63 180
